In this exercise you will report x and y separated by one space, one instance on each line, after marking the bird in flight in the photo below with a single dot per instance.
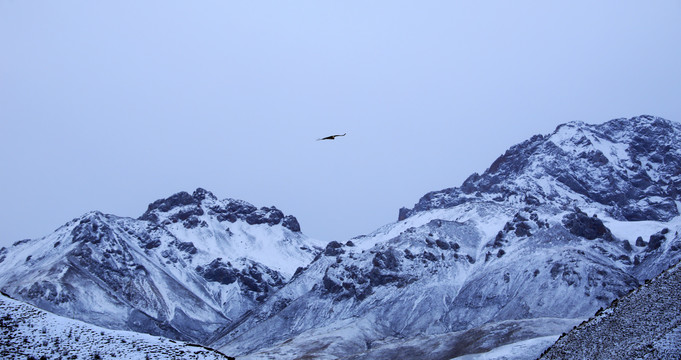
331 137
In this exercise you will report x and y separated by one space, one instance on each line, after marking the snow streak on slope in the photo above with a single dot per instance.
525 349
30 332
505 246
189 265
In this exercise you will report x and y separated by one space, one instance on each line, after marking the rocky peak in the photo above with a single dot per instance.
92 227
186 208
178 200
201 194
632 167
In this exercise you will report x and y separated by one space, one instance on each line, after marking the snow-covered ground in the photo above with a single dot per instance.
28 332
521 350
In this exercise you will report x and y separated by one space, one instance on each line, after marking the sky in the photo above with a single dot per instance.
110 105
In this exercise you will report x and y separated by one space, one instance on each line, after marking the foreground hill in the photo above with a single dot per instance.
645 324
557 227
32 333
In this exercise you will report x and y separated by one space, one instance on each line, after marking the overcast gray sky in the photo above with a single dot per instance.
110 105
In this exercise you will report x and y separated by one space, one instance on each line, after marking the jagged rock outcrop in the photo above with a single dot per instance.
190 208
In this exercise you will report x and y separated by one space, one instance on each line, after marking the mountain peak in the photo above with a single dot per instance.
641 121
188 208
190 264
181 198
200 194
630 167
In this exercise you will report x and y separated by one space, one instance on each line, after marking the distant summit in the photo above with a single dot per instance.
187 208
630 166
188 266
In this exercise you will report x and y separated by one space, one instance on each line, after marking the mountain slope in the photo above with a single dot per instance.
645 324
557 227
28 332
188 265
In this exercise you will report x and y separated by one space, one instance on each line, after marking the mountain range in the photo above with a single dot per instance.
556 228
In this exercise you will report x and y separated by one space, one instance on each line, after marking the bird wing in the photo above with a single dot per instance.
331 137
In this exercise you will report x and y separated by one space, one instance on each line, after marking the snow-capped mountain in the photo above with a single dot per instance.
32 333
557 227
628 167
645 324
189 265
